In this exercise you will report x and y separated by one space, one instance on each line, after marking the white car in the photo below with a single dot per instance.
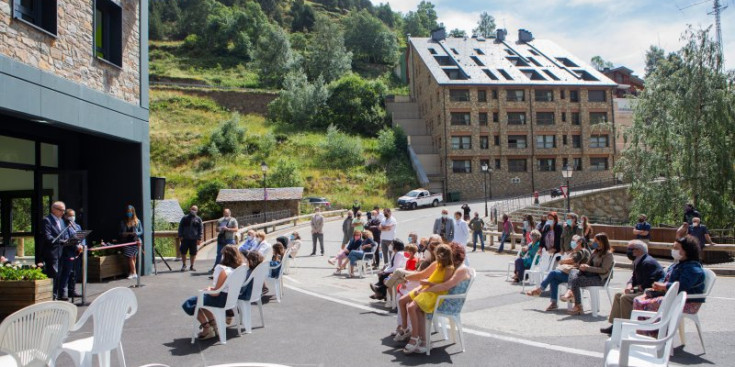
419 197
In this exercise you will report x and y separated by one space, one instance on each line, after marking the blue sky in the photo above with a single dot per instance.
618 30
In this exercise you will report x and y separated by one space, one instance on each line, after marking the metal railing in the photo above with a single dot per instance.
418 167
262 217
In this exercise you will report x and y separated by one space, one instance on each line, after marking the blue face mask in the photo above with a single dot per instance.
549 222
594 245
291 237
573 245
129 214
569 222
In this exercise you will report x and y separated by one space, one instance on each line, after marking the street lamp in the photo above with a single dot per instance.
485 167
264 168
567 173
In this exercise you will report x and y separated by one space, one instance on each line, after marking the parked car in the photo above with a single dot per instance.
419 197
317 201
556 192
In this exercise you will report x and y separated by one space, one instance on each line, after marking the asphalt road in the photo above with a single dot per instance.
327 320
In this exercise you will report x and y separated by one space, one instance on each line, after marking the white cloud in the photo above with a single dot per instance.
403 6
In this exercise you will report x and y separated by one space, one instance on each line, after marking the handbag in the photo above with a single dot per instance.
566 268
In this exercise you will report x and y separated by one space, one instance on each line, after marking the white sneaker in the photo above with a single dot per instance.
132 276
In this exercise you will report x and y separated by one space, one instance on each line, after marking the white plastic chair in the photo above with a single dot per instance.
32 336
511 264
594 292
638 350
449 310
535 275
709 282
232 283
364 265
109 312
276 284
257 277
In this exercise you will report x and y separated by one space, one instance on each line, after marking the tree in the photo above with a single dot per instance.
457 33
369 39
300 102
601 64
355 105
229 136
339 150
328 57
286 174
654 54
273 56
303 17
386 14
421 22
682 142
485 26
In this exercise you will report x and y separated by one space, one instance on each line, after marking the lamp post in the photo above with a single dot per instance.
264 168
567 173
484 176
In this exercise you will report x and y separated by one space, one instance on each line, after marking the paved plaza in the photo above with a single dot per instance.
327 320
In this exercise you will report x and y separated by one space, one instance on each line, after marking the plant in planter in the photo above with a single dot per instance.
103 264
22 286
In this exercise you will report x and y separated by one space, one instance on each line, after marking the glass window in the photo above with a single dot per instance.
462 142
576 141
496 139
495 94
577 164
459 95
516 118
460 118
41 14
496 117
596 96
461 166
108 31
598 164
544 95
547 164
573 96
544 118
49 155
546 141
13 150
599 141
497 164
598 118
517 165
482 95
575 118
484 142
516 95
482 117
517 141
563 117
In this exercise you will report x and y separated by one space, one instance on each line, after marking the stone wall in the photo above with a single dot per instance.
69 55
613 203
244 208
244 102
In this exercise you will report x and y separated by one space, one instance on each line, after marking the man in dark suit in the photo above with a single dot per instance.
54 235
444 226
646 270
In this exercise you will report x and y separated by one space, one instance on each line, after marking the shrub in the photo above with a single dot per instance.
300 102
386 144
286 174
20 272
229 136
340 150
206 199
356 105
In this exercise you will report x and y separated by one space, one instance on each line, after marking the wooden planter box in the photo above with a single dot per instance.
16 294
104 267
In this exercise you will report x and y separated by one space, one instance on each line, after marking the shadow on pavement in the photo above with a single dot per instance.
683 357
438 355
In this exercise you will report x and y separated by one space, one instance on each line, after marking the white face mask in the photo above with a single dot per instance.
72 219
676 254
549 222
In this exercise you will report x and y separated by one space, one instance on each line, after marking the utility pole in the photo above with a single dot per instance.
717 11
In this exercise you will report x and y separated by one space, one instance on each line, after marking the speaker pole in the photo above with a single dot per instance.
158 187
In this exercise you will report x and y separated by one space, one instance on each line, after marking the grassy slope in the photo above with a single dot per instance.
181 124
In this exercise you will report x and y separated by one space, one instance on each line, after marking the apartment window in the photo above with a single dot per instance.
108 31
598 164
599 141
573 96
546 141
481 96
517 141
547 164
40 14
576 141
495 94
459 95
517 165
497 164
461 142
564 139
461 166
544 95
484 142
563 94
596 96
496 140
577 164
575 118
496 117
515 95
460 118
598 118
563 117
544 118
482 117
516 118
564 162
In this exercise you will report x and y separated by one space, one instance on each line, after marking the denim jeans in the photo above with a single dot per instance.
554 278
475 235
354 256
220 245
505 236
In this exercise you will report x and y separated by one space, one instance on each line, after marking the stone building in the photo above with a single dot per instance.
248 205
629 84
73 114
525 108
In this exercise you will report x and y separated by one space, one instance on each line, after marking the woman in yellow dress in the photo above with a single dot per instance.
414 305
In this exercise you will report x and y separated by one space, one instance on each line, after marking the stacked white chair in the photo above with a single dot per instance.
709 282
33 335
442 314
257 278
633 349
109 312
276 284
233 284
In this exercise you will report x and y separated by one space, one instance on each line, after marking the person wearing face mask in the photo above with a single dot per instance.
347 228
461 230
131 230
579 255
341 258
67 261
592 274
444 227
646 270
700 232
294 244
526 228
373 226
524 260
477 225
250 242
227 226
570 228
642 229
191 231
397 261
687 270
551 233
366 247
507 232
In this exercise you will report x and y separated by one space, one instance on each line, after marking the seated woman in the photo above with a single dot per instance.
398 261
687 270
353 245
398 278
295 244
592 274
278 252
525 259
580 255
231 259
253 259
422 300
367 246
